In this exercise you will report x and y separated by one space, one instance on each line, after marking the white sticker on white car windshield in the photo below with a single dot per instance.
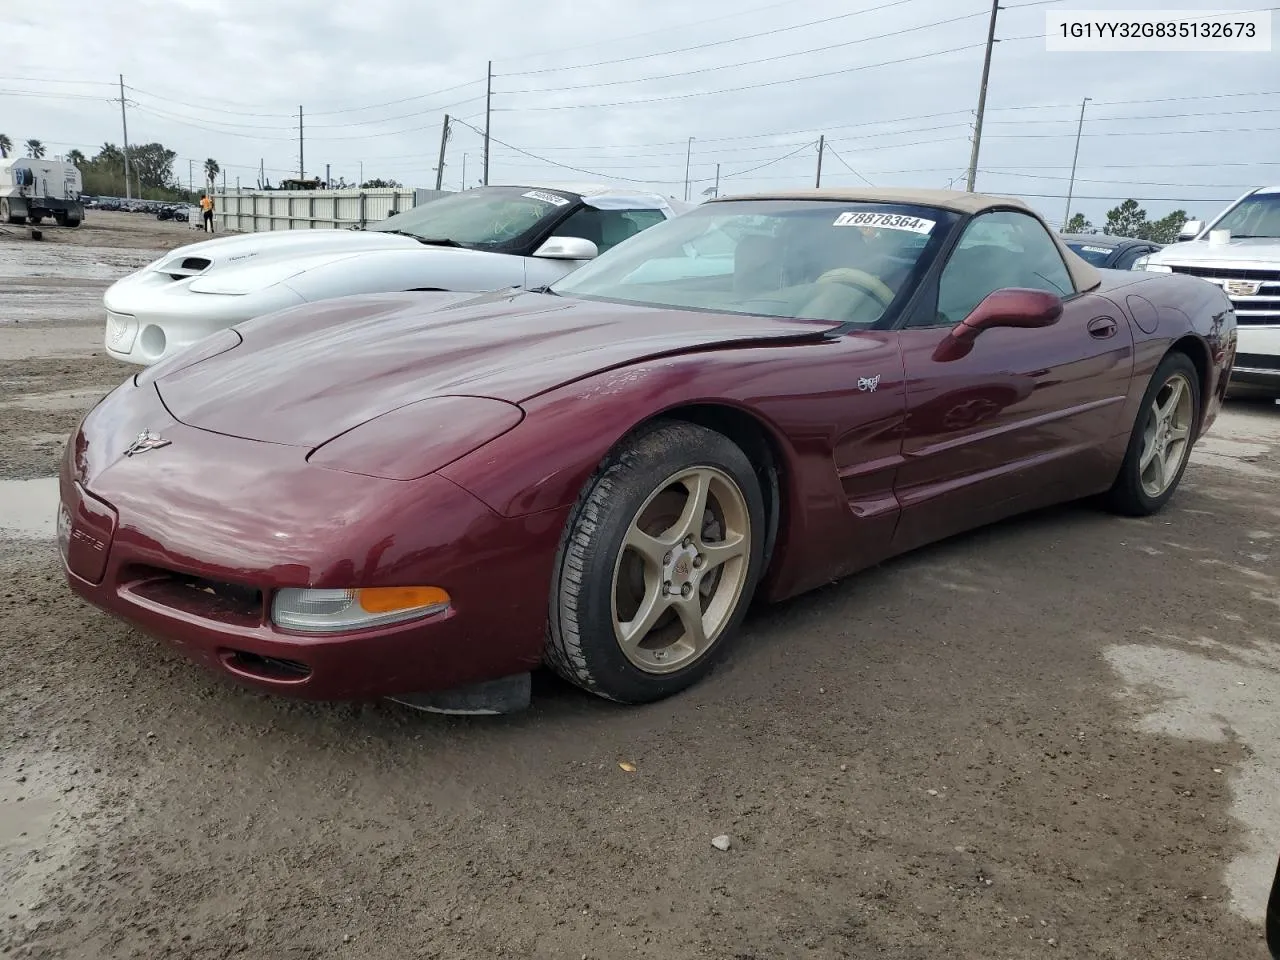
886 221
1097 249
550 198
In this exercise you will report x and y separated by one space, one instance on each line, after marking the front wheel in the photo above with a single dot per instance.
1160 444
658 564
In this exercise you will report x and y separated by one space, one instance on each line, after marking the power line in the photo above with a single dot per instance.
751 86
769 163
736 15
713 43
847 167
744 63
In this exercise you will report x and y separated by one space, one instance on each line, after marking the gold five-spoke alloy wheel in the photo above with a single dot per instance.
682 569
1166 439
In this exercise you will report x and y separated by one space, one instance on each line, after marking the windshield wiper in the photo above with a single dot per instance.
430 241
544 289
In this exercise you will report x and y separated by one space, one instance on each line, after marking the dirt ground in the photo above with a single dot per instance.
1054 737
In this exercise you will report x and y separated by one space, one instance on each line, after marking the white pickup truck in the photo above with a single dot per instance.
1240 252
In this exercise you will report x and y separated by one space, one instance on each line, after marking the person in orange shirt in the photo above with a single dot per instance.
206 205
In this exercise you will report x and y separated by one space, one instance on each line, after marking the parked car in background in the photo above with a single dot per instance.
424 496
1107 252
1239 251
477 240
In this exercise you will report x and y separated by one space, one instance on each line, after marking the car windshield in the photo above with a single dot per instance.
1097 255
483 217
815 259
1256 216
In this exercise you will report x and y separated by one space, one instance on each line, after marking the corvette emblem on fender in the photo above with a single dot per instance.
145 441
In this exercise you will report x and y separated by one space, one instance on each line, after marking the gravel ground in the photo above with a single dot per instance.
1050 738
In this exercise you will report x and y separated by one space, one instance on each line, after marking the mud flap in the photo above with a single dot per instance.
505 695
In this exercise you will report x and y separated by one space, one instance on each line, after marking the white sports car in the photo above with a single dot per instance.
478 240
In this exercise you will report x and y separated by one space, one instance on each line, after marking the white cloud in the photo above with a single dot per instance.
224 78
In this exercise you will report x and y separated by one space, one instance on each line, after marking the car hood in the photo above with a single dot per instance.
244 264
1262 250
309 373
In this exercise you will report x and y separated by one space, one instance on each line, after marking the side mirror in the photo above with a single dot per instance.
1011 307
567 248
1191 229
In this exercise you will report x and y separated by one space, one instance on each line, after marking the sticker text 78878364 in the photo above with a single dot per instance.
885 221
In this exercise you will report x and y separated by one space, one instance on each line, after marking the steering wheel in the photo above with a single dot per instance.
860 280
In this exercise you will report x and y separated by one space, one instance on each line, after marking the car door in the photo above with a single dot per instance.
1020 419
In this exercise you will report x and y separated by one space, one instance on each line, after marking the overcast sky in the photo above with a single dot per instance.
224 78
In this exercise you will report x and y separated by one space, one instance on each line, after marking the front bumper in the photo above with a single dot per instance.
1257 362
189 542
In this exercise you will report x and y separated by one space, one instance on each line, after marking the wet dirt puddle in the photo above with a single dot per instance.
29 509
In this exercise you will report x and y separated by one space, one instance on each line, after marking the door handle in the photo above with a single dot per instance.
1102 328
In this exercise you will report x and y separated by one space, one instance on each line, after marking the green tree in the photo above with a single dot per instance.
1078 224
1166 229
6 145
35 149
211 170
76 157
1127 220
379 182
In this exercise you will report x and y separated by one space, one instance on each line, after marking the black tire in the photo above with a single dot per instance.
581 643
35 221
1127 495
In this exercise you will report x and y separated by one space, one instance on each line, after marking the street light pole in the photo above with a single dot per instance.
982 96
1066 217
687 155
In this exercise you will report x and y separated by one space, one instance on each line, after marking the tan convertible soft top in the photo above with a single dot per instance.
1083 273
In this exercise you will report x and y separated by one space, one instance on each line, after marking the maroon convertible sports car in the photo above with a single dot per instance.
423 496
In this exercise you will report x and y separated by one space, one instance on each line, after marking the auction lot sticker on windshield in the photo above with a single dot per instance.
885 221
1097 249
546 198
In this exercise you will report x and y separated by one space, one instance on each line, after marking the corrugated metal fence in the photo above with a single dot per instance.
253 211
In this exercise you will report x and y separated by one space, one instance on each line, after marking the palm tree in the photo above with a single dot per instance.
76 157
35 149
6 145
211 170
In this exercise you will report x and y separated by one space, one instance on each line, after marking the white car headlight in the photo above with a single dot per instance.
335 611
1144 263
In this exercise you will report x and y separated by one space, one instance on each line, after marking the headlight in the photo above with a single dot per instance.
1144 263
211 346
419 438
333 611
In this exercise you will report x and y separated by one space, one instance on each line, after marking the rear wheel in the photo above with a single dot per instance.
1160 444
658 565
6 214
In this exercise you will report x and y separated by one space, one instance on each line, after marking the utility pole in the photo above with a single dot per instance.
1066 217
982 96
224 181
262 173
822 144
361 173
191 176
488 104
688 153
327 181
124 125
717 193
444 139
302 172
464 171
